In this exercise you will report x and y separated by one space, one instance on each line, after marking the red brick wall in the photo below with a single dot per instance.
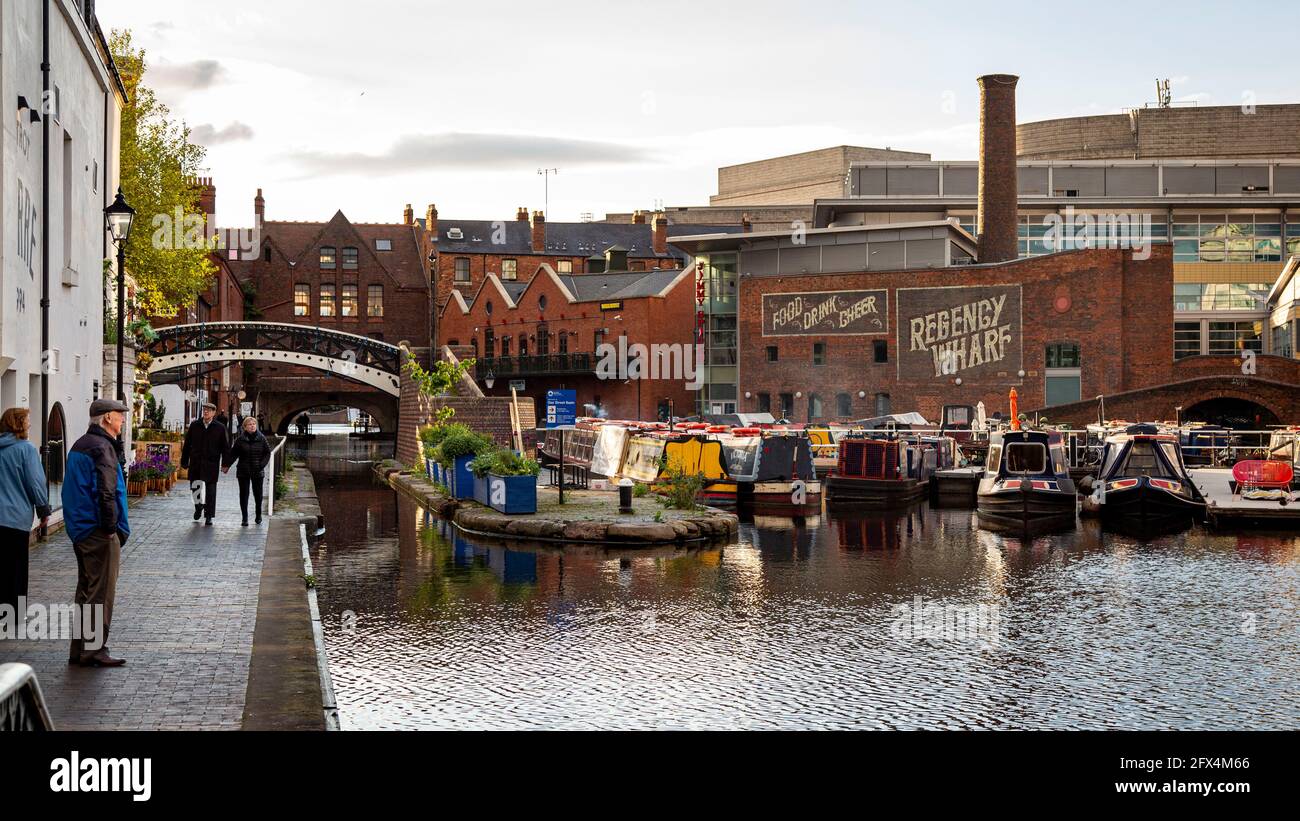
490 415
1118 310
527 266
645 320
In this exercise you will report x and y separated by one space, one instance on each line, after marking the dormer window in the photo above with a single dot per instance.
349 259
327 257
383 245
455 233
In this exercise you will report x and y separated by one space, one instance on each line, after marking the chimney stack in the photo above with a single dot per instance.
207 197
638 217
408 215
521 215
259 208
999 194
431 220
660 235
539 232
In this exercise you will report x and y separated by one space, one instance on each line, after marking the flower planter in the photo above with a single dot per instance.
461 481
512 494
136 488
481 489
431 469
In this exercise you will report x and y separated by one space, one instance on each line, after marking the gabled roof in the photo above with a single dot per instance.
579 239
298 242
579 287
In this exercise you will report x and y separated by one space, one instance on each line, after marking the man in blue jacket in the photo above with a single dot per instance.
94 512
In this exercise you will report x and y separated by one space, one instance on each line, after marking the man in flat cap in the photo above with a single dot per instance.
206 446
94 513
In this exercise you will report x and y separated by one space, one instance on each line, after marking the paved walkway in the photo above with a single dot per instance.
186 607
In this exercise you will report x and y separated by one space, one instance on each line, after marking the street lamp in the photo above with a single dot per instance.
117 221
489 379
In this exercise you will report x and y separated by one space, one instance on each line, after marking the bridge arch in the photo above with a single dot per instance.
350 356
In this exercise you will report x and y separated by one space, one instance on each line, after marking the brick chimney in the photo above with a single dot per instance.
659 239
431 221
638 217
408 215
521 215
996 225
259 207
207 196
539 232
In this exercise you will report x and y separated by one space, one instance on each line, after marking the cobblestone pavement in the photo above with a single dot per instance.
183 620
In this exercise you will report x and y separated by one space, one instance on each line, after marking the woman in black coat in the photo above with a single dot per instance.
252 453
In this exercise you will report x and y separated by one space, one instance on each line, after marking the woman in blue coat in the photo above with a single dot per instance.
22 493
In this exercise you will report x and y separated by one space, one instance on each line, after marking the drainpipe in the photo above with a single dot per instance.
45 242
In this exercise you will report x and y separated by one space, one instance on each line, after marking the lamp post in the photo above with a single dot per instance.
117 221
489 379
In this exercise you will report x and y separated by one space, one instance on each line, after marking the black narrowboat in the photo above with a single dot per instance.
1143 485
1026 486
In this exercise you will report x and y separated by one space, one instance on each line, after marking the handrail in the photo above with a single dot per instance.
18 681
270 496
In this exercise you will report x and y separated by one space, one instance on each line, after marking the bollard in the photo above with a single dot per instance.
625 495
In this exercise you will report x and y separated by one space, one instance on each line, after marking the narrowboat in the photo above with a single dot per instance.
1143 484
1026 485
879 472
773 471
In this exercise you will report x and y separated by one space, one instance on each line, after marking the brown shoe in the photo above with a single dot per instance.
100 659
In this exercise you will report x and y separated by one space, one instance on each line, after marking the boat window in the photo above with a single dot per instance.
1058 459
1026 457
993 459
1171 453
1142 461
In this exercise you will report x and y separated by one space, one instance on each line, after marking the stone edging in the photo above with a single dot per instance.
709 525
329 704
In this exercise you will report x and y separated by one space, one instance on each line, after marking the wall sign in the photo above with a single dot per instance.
612 306
826 313
959 331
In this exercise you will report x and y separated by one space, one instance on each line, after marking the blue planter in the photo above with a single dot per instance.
439 475
481 489
431 469
461 480
512 494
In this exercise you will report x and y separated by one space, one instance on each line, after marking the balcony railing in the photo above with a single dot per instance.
558 363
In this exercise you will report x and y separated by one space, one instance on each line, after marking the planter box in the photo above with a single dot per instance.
431 469
481 489
461 481
136 488
512 494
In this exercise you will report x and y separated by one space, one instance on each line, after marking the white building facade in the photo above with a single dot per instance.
58 171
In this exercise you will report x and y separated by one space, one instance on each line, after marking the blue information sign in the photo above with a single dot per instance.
561 408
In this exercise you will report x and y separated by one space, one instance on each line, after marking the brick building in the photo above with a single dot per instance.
547 334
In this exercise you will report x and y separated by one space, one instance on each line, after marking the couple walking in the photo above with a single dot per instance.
208 451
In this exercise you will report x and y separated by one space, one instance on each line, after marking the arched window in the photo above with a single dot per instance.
814 407
327 256
349 258
543 339
56 430
843 404
882 404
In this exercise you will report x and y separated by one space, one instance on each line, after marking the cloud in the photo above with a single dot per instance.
192 76
472 151
209 135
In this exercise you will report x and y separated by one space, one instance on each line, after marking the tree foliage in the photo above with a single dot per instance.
158 168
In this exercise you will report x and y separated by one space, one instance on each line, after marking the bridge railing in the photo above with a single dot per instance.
287 337
571 363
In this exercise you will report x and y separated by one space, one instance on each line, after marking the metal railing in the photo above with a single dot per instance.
538 364
22 706
271 474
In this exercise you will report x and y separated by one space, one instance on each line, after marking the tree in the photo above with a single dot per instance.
168 261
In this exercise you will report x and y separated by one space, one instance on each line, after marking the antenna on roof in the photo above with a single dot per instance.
546 188
1163 96
585 216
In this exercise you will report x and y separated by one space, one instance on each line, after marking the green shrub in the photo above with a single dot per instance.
640 489
503 462
462 443
681 487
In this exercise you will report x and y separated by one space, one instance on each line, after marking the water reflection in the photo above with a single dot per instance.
797 625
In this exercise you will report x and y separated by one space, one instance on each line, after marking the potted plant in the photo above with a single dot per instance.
480 466
137 479
511 481
457 450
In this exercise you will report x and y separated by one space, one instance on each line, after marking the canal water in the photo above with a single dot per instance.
907 620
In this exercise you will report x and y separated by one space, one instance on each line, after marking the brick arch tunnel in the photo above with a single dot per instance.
1241 402
282 409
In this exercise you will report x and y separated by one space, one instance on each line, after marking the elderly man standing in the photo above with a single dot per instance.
94 512
206 446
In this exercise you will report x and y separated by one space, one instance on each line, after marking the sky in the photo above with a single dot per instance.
364 107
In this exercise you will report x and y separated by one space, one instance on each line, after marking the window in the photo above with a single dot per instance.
523 345
843 404
327 256
348 303
462 269
543 339
505 346
1187 339
765 403
1063 355
1026 457
1231 338
349 259
597 339
375 300
1282 340
302 300
564 266
880 350
819 355
771 353
814 407
489 343
509 269
327 300
787 405
563 339
266 254
541 302
473 347
383 245
882 404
